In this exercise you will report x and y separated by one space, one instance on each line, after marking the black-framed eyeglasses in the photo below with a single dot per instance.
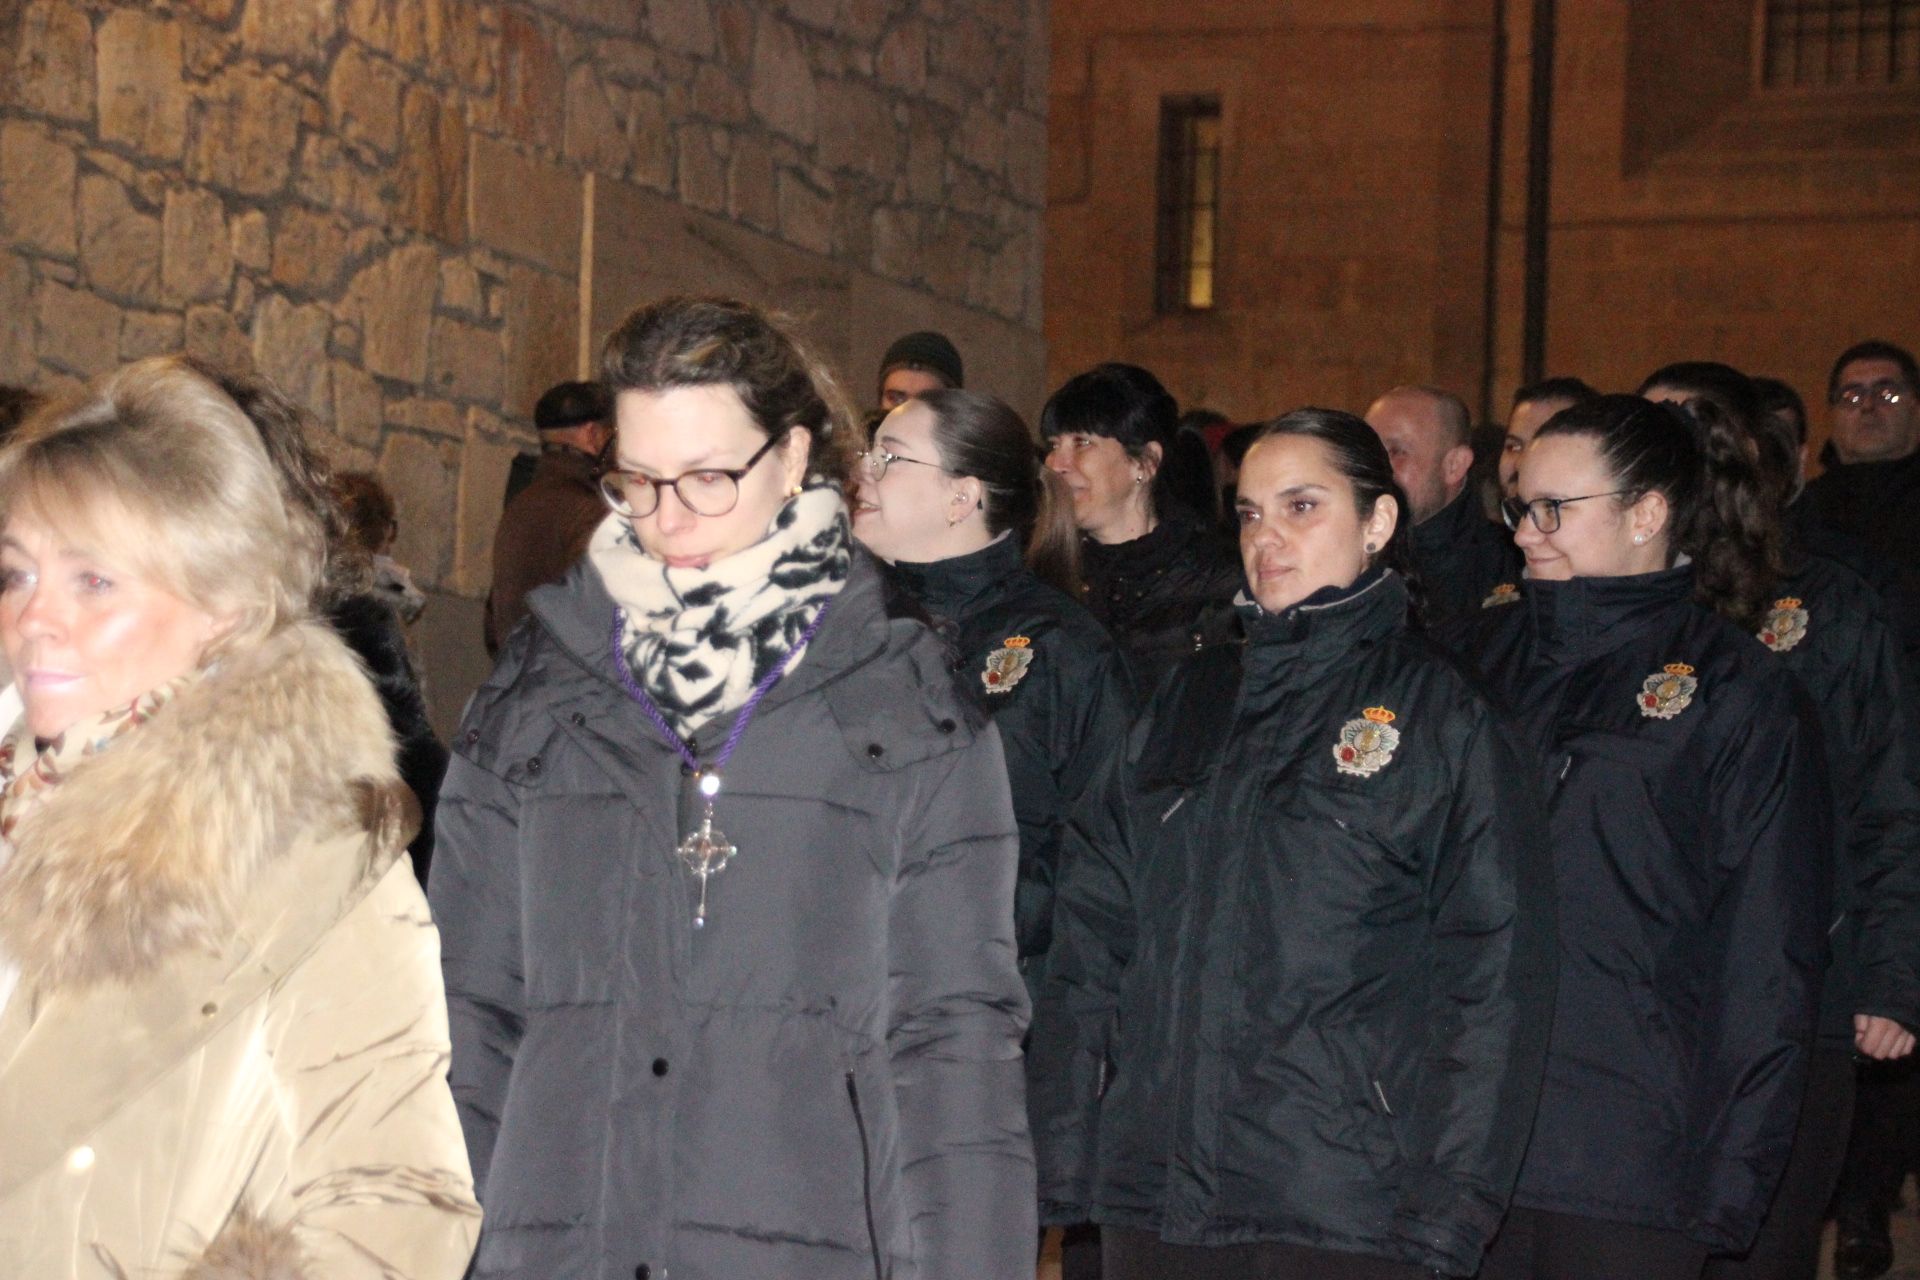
1887 393
876 462
1545 512
710 491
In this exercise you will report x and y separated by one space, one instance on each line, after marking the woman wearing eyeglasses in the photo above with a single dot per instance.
725 872
1691 833
953 496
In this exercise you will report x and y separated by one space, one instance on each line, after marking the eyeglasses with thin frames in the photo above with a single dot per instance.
876 461
1888 394
1545 512
709 491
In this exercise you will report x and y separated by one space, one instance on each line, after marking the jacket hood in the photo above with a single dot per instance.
148 848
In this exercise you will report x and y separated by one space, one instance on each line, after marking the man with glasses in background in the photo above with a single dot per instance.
1870 489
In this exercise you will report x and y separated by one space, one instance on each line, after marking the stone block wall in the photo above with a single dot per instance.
382 203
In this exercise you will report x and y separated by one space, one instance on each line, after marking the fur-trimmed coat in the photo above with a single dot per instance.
226 1057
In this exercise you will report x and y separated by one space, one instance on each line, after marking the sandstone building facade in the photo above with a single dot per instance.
1695 191
417 214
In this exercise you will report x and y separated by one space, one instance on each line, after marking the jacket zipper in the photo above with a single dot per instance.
866 1177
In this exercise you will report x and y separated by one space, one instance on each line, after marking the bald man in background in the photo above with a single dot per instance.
1465 561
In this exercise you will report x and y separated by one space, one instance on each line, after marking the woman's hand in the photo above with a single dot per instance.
1880 1038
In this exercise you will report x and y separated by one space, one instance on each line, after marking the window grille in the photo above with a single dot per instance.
1839 44
1189 198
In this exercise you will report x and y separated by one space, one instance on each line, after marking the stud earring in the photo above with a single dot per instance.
1639 539
794 492
1371 548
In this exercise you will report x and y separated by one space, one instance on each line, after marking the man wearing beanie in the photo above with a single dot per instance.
924 361
546 525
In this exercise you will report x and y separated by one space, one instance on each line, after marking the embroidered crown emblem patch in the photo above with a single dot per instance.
1505 593
1668 691
1007 665
1785 625
1366 745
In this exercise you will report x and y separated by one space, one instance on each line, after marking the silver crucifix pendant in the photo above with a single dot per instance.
706 853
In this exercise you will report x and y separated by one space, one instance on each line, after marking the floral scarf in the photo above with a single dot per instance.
698 639
27 774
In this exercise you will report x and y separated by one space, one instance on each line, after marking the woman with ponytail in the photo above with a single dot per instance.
953 495
1829 627
1296 1008
1691 832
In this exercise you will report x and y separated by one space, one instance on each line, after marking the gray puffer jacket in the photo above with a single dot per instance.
825 1080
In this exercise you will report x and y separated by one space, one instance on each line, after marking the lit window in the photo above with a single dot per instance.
1839 44
1189 204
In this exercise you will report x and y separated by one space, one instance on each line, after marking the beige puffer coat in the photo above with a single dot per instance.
227 1053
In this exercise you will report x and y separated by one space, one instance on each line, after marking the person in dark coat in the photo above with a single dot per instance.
725 873
1295 1013
1692 832
1829 628
348 598
954 498
546 524
1155 572
1461 557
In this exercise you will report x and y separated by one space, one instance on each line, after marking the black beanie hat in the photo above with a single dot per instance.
572 404
925 350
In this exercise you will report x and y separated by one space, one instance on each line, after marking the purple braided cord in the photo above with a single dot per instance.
760 690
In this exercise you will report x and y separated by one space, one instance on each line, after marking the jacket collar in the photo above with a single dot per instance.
578 614
1581 618
1326 626
564 462
949 588
147 850
1451 526
1166 544
1895 469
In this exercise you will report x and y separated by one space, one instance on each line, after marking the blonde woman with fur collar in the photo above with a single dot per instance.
223 1039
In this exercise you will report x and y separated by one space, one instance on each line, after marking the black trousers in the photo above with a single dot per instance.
1536 1245
1080 1253
1886 1133
1788 1247
1141 1255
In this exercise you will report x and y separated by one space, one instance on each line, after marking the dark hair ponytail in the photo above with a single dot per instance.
1357 453
1721 513
979 436
1773 446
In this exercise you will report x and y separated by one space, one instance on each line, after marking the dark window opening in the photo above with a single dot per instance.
1839 44
1189 204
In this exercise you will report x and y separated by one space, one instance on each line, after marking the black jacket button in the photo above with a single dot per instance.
875 751
533 766
578 718
948 726
659 1066
473 736
642 1272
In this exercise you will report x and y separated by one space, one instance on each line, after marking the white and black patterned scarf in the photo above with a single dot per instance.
698 639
